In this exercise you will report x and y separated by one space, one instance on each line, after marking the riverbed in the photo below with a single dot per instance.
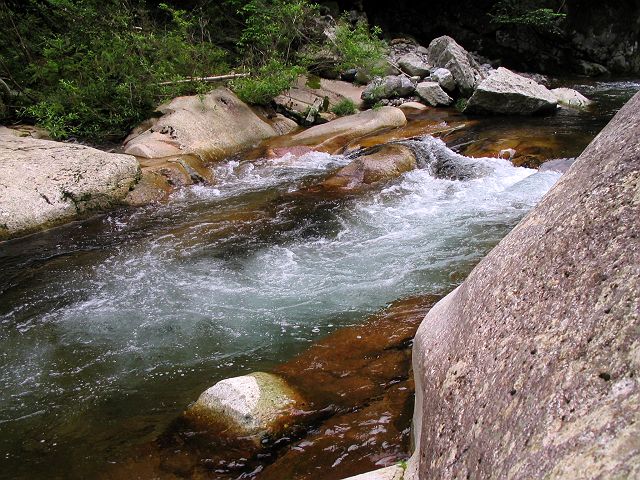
111 326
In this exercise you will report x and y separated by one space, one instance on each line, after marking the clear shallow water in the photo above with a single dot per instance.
110 327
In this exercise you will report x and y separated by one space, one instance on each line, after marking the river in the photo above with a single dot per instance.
111 326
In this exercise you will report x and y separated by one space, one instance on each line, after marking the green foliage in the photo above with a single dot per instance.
270 80
93 68
344 107
531 14
273 28
361 47
461 104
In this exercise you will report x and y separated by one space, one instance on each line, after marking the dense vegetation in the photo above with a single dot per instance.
94 68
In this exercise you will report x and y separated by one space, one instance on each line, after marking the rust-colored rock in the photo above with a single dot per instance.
530 368
387 162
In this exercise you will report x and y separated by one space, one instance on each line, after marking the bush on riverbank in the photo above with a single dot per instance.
93 69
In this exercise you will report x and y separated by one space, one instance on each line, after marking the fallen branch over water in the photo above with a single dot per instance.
218 78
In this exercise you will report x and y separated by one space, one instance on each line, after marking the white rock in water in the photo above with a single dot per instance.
257 404
571 98
508 93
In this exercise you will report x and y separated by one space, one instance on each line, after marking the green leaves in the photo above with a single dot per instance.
94 66
361 48
531 14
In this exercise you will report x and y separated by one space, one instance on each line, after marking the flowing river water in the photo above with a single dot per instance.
110 327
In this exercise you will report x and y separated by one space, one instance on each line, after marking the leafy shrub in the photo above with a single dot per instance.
94 68
461 104
361 48
271 80
531 14
344 107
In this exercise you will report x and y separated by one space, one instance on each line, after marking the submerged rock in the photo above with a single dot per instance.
505 92
571 98
444 52
259 405
530 368
44 183
212 126
432 94
386 163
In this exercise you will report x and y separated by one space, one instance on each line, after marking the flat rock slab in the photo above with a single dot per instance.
508 93
212 126
529 369
44 183
394 472
332 137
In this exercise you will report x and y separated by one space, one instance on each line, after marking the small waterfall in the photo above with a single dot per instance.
433 155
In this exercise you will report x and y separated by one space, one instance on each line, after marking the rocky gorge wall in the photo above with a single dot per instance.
602 32
529 368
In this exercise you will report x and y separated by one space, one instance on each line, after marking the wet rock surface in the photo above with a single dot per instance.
44 183
259 405
384 163
356 380
529 368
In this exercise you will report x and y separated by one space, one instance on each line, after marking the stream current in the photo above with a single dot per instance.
111 326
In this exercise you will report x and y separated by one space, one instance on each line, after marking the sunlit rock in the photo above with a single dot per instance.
505 92
333 136
432 94
444 78
44 183
571 98
444 52
259 405
529 368
389 162
212 126
413 65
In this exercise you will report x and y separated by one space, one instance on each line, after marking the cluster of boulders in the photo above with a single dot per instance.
445 71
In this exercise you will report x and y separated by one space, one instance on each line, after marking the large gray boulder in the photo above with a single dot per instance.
530 368
432 94
212 126
413 65
45 183
444 52
508 93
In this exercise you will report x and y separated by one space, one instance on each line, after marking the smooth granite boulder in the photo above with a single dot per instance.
255 406
530 368
211 126
44 183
